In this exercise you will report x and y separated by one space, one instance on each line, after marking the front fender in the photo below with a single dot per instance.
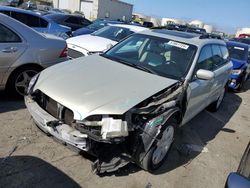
152 129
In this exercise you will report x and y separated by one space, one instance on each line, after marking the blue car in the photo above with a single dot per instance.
36 21
98 24
239 54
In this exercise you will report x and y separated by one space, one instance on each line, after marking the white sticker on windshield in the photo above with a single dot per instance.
178 44
238 48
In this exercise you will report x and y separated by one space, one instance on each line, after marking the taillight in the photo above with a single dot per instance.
64 53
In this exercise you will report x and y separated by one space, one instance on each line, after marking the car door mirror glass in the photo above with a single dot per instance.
204 74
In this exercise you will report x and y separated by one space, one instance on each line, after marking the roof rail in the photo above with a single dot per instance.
210 36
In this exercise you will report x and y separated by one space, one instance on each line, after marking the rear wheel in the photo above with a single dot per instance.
159 151
19 81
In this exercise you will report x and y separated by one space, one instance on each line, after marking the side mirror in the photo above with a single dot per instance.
235 180
204 74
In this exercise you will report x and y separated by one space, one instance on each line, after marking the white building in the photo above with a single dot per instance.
166 21
208 28
197 23
93 9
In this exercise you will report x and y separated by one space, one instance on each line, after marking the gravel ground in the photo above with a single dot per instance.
28 158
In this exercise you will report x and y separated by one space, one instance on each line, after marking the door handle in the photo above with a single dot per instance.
9 50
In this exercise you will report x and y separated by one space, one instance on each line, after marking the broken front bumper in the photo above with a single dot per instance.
62 132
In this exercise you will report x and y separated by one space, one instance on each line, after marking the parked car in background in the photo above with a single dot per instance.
241 178
25 52
127 104
70 20
148 24
239 54
36 21
243 40
100 40
98 24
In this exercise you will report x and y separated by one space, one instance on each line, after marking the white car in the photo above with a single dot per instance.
100 40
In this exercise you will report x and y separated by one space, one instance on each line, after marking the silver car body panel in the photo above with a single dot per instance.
35 48
99 86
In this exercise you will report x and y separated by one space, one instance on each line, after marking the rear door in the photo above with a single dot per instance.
221 69
199 90
11 48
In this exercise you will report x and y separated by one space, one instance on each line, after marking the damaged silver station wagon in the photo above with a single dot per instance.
126 104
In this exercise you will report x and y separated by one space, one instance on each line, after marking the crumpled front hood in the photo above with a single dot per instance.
237 64
91 43
96 85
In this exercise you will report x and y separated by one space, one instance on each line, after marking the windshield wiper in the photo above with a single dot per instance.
144 69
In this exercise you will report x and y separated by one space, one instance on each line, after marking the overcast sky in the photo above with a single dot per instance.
225 15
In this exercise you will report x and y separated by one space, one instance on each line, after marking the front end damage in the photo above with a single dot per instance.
115 140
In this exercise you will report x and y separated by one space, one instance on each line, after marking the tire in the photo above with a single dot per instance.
150 162
19 81
214 107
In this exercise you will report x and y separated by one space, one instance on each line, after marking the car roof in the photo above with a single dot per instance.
238 44
185 37
7 8
133 28
60 15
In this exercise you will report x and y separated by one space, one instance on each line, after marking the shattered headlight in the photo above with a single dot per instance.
32 83
236 71
110 126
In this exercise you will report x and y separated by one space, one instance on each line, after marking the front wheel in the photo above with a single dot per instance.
159 151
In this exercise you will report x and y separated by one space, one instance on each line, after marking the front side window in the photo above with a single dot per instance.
205 59
113 33
160 56
218 60
8 36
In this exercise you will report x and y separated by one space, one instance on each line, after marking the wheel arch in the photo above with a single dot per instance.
34 65
150 133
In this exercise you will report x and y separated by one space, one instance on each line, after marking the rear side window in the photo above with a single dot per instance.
29 20
72 20
205 59
84 21
43 23
8 36
218 60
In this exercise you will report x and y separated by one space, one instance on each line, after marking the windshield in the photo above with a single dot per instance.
237 53
114 33
156 55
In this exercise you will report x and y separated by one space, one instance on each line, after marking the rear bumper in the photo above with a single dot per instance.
62 132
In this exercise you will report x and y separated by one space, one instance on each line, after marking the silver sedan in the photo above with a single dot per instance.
24 52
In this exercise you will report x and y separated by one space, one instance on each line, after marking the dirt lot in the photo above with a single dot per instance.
36 160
